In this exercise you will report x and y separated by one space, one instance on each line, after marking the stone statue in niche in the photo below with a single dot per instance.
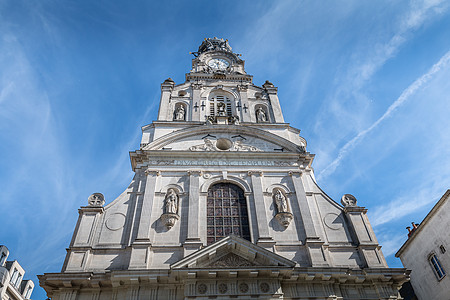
170 215
261 115
180 113
221 109
234 120
96 199
281 201
348 200
283 215
210 120
171 201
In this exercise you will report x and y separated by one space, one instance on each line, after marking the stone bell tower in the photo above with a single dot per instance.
223 204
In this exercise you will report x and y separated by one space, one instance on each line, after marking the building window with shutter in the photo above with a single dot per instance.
220 98
437 267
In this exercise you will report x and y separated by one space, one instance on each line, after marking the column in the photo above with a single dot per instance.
264 238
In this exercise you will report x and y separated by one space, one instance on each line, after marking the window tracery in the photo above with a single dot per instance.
226 212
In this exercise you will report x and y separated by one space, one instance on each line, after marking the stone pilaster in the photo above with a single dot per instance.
146 206
199 112
264 239
272 91
245 113
312 241
364 236
166 91
193 241
141 247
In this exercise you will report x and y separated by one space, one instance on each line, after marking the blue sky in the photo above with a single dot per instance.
367 82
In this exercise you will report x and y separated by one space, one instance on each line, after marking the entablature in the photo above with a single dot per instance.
176 159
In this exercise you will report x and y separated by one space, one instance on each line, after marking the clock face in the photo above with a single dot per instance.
218 64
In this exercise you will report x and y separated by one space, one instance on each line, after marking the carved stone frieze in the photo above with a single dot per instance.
231 260
220 145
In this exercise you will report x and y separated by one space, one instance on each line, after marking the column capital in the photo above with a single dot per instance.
355 210
295 173
255 173
242 87
194 172
152 172
91 209
197 86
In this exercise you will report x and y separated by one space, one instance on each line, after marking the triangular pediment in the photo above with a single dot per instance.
232 252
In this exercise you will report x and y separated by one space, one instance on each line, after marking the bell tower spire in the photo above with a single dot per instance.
218 90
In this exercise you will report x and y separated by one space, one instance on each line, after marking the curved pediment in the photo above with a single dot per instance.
224 138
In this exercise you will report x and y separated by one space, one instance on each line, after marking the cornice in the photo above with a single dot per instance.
52 282
425 221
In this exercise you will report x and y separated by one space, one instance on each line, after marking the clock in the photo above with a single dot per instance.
218 64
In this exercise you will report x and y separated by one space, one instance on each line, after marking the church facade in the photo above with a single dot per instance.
223 204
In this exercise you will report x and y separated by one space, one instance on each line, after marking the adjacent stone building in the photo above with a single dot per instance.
223 204
426 253
12 284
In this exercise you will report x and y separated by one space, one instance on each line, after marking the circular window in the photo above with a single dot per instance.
224 144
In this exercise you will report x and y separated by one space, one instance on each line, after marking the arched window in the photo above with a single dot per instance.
226 212
215 99
437 267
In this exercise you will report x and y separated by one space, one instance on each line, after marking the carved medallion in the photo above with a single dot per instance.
222 288
243 287
115 221
333 221
202 288
264 287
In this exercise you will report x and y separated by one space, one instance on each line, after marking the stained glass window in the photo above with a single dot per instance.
226 212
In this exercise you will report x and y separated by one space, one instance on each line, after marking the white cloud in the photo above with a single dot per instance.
418 83
348 108
391 243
